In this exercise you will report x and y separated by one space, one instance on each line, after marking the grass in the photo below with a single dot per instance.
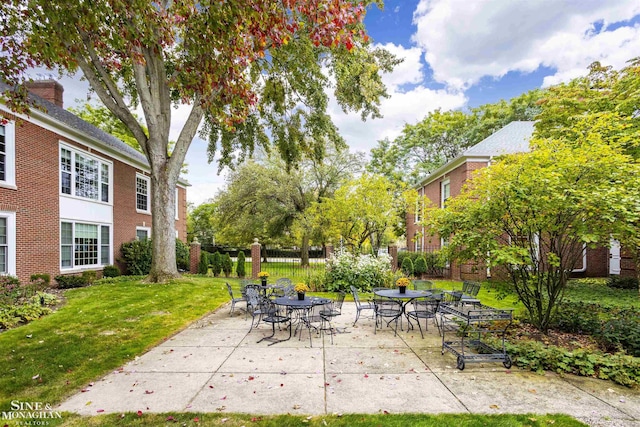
350 420
98 329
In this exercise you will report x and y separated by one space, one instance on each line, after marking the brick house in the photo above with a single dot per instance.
70 194
448 180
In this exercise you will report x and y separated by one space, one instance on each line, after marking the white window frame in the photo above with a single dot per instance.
145 229
10 156
11 242
99 263
101 162
443 184
148 181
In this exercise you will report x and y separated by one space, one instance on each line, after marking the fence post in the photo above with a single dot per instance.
255 258
328 250
393 253
194 256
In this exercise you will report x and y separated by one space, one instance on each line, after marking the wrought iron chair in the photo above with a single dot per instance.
333 310
360 305
386 308
256 305
275 315
424 308
422 285
234 300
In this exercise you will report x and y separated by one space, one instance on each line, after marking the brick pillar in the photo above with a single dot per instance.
393 253
194 256
255 258
328 250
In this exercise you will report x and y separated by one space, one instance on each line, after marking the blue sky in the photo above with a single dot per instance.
460 54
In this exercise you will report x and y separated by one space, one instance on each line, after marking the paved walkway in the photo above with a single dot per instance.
216 365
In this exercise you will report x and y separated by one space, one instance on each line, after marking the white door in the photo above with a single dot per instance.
614 257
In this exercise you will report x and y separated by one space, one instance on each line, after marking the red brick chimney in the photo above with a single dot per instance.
50 90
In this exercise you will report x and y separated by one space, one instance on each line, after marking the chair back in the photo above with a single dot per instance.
470 288
337 304
422 285
289 291
229 290
356 298
283 282
253 296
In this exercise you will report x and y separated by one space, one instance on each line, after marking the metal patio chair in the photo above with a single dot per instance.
360 306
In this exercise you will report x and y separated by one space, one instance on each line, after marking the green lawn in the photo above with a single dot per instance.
100 328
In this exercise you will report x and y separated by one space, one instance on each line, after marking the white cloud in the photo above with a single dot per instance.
464 41
403 106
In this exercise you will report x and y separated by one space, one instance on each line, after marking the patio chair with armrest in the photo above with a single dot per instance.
360 306
423 308
331 311
386 308
234 300
256 305
275 315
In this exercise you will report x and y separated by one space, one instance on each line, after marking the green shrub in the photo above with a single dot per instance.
577 317
344 269
110 271
407 267
203 265
137 256
8 318
435 262
216 263
182 255
41 281
44 298
70 281
317 280
621 333
89 276
618 282
227 264
536 356
420 266
240 267
30 311
10 290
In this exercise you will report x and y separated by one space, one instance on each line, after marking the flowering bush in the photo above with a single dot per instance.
301 288
362 271
403 282
263 275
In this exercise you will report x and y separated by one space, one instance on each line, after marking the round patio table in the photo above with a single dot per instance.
409 296
301 308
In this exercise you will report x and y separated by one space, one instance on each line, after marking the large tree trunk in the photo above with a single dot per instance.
163 185
304 251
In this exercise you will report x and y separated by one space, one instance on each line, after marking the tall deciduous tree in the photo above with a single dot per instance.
362 211
532 213
265 200
242 66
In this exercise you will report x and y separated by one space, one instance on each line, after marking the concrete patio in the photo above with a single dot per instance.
216 365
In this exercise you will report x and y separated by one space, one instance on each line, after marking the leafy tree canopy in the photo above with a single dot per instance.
242 66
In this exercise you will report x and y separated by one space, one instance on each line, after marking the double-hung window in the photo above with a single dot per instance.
7 154
142 193
445 192
84 176
7 243
84 245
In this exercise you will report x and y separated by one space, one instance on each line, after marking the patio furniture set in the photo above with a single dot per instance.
279 304
461 319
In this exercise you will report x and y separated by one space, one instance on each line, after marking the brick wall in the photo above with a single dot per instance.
34 201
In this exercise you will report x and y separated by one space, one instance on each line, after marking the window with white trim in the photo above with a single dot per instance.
143 233
84 245
142 193
8 243
7 154
445 192
85 176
